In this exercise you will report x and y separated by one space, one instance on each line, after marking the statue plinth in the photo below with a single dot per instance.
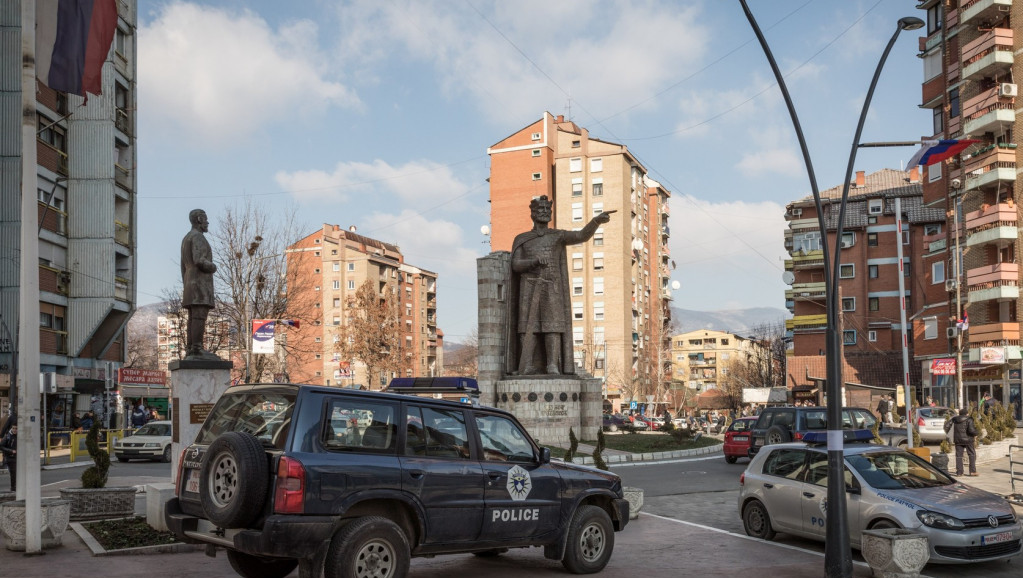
196 384
550 405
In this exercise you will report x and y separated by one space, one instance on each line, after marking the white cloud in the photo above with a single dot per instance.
771 160
436 245
221 76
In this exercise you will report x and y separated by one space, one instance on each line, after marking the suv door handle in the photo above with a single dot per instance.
417 474
768 486
495 475
808 494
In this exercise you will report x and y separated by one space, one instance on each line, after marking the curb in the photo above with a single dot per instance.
649 457
98 550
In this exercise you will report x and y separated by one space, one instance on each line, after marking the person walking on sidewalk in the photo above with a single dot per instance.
963 433
9 447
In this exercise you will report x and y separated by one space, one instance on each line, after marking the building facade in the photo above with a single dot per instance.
332 264
701 357
87 186
968 55
620 278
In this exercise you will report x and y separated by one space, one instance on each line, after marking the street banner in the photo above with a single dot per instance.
943 366
344 369
263 335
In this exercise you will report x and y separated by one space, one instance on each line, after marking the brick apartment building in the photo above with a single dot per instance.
620 278
332 264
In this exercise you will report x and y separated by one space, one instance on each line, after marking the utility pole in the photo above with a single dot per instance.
957 260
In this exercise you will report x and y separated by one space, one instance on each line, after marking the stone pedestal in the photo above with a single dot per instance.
54 519
157 496
492 329
196 386
895 552
549 405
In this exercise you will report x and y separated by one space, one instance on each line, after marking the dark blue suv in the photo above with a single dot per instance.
355 483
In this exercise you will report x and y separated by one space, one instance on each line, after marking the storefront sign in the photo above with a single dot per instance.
133 376
992 355
944 366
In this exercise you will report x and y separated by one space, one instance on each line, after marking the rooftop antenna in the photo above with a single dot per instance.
570 108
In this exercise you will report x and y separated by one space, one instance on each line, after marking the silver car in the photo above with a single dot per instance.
930 422
784 489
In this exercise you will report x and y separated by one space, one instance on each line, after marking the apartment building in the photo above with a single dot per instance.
701 357
969 60
869 270
620 278
86 181
332 264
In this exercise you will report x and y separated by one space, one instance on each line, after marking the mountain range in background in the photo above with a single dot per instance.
737 321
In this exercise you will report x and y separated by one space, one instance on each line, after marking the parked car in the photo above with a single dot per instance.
151 442
425 477
654 422
783 424
737 439
930 422
614 422
784 489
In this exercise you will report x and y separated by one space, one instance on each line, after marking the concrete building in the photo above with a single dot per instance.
332 264
87 186
869 269
700 358
970 68
620 278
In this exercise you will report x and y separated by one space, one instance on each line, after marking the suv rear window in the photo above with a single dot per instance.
264 415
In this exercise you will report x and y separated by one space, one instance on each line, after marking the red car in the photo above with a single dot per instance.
738 439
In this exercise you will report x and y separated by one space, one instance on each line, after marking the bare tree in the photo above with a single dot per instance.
465 360
731 383
219 336
765 360
140 348
371 331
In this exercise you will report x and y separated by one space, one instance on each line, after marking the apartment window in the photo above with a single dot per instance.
598 285
849 337
336 285
872 335
848 304
577 212
934 172
598 238
874 303
577 340
598 311
120 42
598 336
871 220
537 176
318 356
316 270
577 286
596 165
351 266
934 19
937 122
333 251
905 267
577 187
317 340
930 327
953 103
872 239
536 152
872 271
598 208
337 302
577 262
536 136
905 237
875 206
575 164
930 230
848 240
938 272
577 311
317 288
336 266
351 284
847 271
598 261
576 144
598 187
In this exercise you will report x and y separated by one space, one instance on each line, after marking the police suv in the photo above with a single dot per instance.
354 483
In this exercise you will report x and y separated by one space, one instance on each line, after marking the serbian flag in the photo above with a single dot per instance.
290 322
964 323
72 41
934 151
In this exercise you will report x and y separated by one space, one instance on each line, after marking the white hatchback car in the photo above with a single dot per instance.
784 489
930 422
151 441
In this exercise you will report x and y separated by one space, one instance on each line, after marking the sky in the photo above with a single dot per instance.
378 114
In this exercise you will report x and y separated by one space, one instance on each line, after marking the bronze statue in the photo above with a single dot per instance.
197 269
540 306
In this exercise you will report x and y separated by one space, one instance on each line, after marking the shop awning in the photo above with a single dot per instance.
144 391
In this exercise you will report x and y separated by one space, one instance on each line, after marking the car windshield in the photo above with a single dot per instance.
936 412
154 429
897 470
741 425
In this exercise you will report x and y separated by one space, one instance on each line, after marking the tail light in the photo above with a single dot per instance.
920 422
290 487
797 436
742 478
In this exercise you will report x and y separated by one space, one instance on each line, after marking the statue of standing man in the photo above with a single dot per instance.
541 306
197 269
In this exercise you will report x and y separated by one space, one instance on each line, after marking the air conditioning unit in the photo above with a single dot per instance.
48 382
951 332
950 284
795 212
1007 89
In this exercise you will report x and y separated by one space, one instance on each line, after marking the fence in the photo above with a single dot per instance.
61 440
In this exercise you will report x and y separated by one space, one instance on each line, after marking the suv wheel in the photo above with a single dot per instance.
777 435
233 480
249 566
591 539
369 547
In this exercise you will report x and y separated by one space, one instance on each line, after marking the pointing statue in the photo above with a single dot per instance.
197 269
540 305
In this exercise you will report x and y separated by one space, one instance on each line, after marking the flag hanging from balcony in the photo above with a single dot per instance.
964 323
934 151
290 322
72 41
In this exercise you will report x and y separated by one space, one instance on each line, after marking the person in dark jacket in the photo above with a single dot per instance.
963 433
9 447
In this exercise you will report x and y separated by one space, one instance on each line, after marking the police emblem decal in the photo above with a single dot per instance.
519 483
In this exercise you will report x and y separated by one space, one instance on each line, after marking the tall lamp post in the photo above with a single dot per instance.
837 557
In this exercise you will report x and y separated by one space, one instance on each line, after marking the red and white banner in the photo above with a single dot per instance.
133 376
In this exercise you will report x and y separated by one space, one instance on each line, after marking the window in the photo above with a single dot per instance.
938 272
577 286
872 335
875 206
934 172
576 144
436 433
577 311
872 271
351 284
848 240
874 303
598 238
336 285
337 302
598 208
598 285
336 266
596 165
724 342
577 187
316 270
930 327
577 262
933 229
577 340
536 136
502 440
953 103
598 336
598 310
934 19
847 271
537 176
598 261
872 239
871 220
786 463
536 152
598 187
333 251
577 212
848 304
849 337
905 237
351 266
905 267
575 164
120 42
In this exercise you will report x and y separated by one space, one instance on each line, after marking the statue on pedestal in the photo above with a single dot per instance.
197 269
539 301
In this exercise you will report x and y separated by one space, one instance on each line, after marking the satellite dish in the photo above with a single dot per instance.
675 285
788 277
485 230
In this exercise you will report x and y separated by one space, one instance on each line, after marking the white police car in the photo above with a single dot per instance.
784 489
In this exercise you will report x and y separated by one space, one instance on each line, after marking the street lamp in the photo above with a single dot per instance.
837 557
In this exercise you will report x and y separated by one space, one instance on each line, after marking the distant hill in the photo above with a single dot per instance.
737 321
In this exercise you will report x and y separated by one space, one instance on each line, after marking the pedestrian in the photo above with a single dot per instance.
76 421
930 402
139 416
87 420
986 407
882 407
9 447
153 414
963 433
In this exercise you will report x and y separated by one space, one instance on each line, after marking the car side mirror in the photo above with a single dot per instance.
853 489
545 456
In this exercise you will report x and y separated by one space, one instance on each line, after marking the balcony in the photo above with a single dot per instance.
998 282
808 260
988 55
122 234
990 167
994 334
122 177
995 224
122 287
807 322
979 10
987 112
52 341
806 292
123 121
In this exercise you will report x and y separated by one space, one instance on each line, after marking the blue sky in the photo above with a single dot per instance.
379 113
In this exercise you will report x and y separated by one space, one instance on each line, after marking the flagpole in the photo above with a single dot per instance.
29 418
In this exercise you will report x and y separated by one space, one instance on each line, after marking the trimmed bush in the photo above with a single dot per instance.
96 475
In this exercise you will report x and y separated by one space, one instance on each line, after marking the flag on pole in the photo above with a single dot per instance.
964 323
289 322
72 41
934 151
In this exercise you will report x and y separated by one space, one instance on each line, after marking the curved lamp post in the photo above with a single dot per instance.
837 557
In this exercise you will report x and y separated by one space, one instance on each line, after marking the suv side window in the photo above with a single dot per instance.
784 418
358 425
787 463
436 433
502 440
860 419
